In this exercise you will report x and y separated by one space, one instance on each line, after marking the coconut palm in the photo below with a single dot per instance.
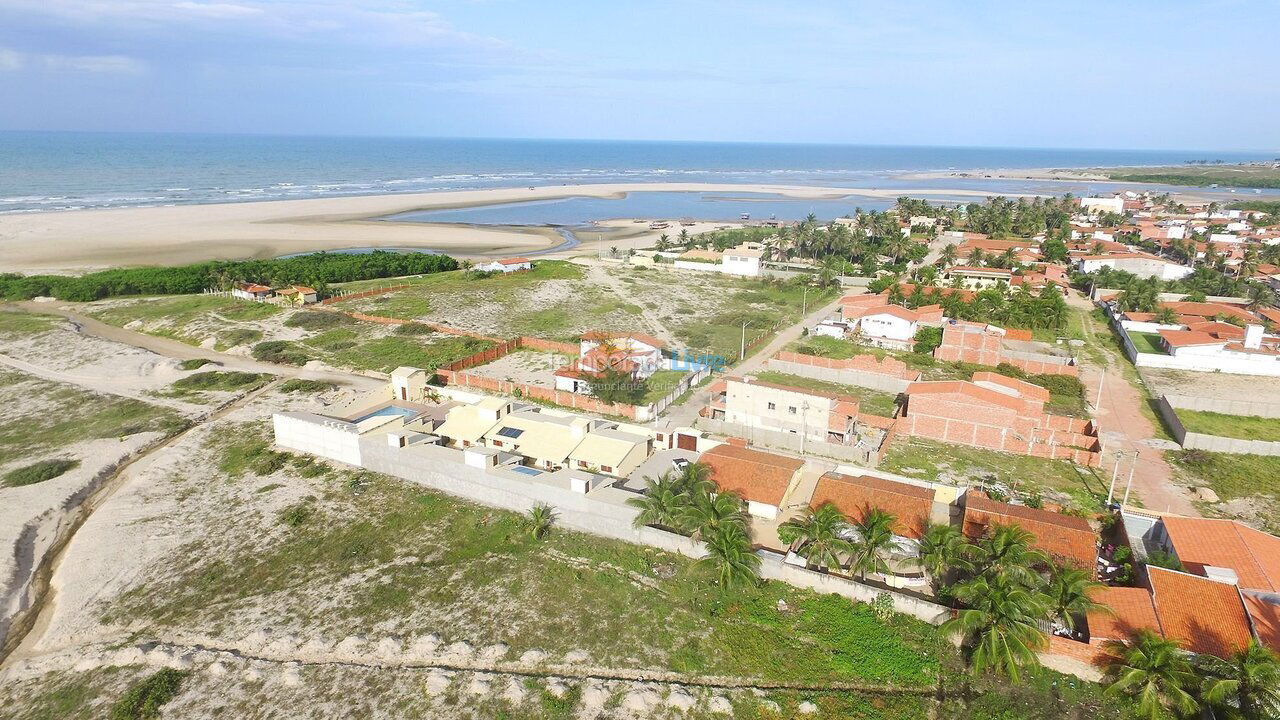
1155 672
1068 590
943 549
1166 316
818 536
660 505
875 540
948 255
704 513
694 479
999 623
1006 550
540 519
1247 683
729 556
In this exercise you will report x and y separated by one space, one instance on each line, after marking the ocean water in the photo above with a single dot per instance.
60 171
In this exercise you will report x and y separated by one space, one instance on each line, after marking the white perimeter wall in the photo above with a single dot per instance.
318 435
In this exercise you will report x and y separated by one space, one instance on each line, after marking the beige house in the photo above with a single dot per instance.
818 416
611 451
466 425
543 436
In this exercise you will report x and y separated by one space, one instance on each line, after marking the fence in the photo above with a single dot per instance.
1168 405
1232 363
344 296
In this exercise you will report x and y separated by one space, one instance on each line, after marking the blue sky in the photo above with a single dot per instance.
1162 74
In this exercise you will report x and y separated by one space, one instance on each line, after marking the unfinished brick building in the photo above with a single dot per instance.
985 345
997 413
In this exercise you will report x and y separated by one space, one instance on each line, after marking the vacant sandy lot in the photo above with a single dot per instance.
1211 385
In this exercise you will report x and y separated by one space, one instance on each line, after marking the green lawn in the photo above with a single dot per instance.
69 415
873 402
1145 342
388 353
930 459
660 384
15 323
1244 427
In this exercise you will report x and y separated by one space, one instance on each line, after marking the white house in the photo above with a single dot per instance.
978 277
742 260
891 326
833 329
1140 264
1101 204
506 265
637 354
251 291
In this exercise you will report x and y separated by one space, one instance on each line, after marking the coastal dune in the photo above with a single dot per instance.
79 240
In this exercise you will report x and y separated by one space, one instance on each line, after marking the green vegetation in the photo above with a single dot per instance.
1235 477
870 401
1146 342
247 451
236 336
390 352
1203 176
69 415
929 460
317 270
178 311
334 340
282 352
144 700
660 384
194 363
38 472
217 381
426 292
317 320
1244 427
15 323
761 304
307 386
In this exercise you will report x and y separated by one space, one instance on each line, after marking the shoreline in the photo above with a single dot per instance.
74 241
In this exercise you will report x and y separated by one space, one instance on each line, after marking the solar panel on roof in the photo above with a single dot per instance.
510 432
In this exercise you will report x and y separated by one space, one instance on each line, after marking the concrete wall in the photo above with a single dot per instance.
1232 363
793 443
319 435
1167 407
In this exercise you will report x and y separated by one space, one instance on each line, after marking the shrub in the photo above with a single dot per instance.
298 513
194 363
145 698
279 351
310 386
317 320
238 336
882 606
1165 560
38 472
215 380
414 329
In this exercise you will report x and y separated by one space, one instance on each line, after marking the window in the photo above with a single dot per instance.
773 406
606 468
792 410
497 443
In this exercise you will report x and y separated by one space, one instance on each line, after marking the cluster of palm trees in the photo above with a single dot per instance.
826 539
1143 294
689 503
1015 307
1167 682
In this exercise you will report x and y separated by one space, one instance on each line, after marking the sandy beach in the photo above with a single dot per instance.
78 240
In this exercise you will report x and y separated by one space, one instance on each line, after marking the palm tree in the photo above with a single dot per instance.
660 505
1006 551
999 623
1248 682
540 519
695 478
1166 316
705 513
943 548
729 556
875 540
1068 590
1155 671
819 534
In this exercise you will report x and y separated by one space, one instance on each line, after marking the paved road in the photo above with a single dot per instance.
182 351
1124 428
685 413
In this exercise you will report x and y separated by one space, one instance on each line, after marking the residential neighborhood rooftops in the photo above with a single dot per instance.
1189 338
1064 536
1202 615
603 335
911 505
1252 554
1130 609
754 475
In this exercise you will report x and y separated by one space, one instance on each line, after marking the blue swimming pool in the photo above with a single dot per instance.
525 470
388 411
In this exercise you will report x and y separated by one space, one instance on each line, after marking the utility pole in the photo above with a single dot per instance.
1129 487
1111 491
1101 382
742 352
804 303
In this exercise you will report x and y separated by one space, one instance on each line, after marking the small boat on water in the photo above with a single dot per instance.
745 216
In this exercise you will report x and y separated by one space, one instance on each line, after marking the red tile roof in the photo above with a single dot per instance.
514 261
1201 615
1265 614
754 475
1131 609
598 335
1188 338
1252 554
970 270
910 505
1066 537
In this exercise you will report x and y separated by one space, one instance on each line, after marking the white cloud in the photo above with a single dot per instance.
218 10
12 60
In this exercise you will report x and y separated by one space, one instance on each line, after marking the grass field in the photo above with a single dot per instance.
15 323
1244 427
67 415
931 460
870 401
760 304
178 310
1248 176
1236 477
1145 342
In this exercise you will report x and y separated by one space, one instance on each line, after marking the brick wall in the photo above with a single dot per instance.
559 397
887 365
984 349
1030 432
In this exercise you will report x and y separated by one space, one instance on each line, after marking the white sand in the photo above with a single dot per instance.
84 239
